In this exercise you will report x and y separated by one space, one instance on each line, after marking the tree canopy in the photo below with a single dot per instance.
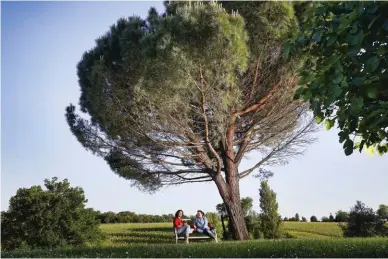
183 97
341 216
345 76
167 88
382 211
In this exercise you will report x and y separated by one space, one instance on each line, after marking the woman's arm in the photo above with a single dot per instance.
196 223
206 223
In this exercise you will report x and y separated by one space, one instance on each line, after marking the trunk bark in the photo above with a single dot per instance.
230 193
236 216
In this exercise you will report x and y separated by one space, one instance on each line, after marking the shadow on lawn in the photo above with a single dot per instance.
141 234
143 241
160 235
161 229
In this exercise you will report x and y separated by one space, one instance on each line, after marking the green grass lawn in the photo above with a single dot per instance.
137 233
157 240
157 233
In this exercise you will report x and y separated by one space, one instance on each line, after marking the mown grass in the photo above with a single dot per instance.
291 248
328 229
304 235
137 233
162 233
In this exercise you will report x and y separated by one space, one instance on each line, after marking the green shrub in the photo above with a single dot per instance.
214 219
55 217
363 222
253 225
288 235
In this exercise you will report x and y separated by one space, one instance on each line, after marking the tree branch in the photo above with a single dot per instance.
179 172
195 178
214 152
281 147
259 104
241 150
183 182
250 170
256 106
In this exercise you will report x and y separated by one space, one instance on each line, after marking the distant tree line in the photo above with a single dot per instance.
131 217
340 216
247 204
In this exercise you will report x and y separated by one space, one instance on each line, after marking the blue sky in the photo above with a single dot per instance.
41 44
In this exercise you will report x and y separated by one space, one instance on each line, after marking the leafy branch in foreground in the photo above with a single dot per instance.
345 76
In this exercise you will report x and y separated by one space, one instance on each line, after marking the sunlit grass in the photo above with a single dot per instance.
137 233
329 229
157 233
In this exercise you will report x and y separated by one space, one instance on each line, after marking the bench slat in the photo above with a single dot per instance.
195 237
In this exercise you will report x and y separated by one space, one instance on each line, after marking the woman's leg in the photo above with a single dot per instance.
186 230
187 233
209 233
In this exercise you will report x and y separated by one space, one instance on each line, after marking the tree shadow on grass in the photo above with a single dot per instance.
142 234
148 241
144 241
161 229
156 235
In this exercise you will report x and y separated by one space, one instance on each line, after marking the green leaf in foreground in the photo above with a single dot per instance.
329 124
371 64
348 147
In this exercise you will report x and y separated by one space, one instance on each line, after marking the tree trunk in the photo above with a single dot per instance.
236 216
230 193
224 234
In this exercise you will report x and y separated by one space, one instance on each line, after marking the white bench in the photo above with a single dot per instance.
195 235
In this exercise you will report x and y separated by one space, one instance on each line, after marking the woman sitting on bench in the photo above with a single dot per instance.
180 226
202 225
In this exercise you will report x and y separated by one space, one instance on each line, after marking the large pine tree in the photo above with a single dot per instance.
183 97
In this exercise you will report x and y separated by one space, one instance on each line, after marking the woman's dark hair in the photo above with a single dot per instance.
200 211
177 212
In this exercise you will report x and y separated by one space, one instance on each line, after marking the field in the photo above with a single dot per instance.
161 233
138 233
156 240
316 229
